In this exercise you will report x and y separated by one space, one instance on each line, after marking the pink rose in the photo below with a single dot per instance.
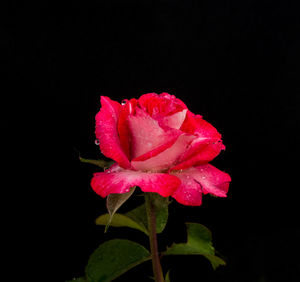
160 146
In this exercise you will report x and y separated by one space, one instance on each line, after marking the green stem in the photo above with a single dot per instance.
156 266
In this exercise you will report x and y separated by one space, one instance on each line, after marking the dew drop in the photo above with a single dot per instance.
97 142
123 102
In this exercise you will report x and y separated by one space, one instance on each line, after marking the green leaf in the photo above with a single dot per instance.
199 242
114 202
137 218
215 261
161 211
81 279
120 220
139 214
114 258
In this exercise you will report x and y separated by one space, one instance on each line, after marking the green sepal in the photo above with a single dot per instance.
113 258
137 218
114 202
167 278
100 163
199 242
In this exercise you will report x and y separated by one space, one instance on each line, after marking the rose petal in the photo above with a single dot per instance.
118 180
160 105
189 124
175 120
165 159
157 150
146 134
211 179
199 152
189 192
123 127
205 129
107 133
204 148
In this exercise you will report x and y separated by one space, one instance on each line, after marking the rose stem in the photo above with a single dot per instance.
156 266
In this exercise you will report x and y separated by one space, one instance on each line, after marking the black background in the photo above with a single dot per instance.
234 62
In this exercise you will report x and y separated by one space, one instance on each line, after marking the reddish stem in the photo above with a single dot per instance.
156 266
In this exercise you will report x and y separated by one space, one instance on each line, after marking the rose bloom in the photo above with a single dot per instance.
159 146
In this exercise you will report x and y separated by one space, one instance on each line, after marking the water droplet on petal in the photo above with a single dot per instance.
97 141
123 102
